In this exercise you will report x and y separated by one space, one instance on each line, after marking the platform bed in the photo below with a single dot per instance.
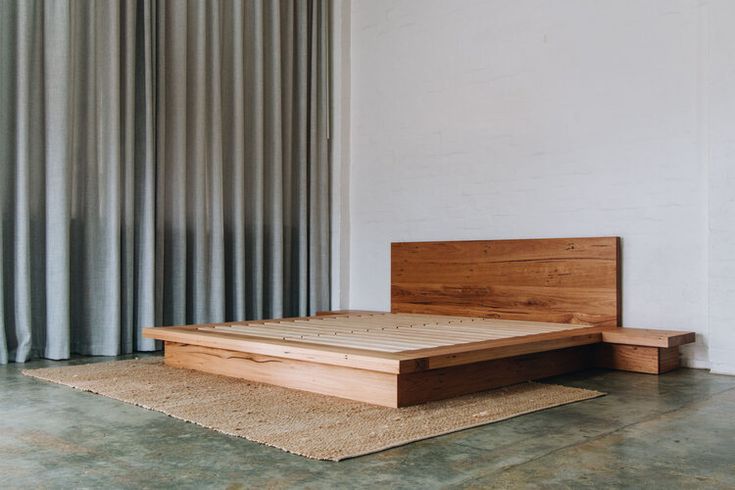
466 317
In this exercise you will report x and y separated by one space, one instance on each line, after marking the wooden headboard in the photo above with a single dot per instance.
561 280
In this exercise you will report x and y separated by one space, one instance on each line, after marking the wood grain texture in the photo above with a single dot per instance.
384 342
647 337
397 332
391 390
638 359
632 358
322 354
439 384
541 308
668 359
511 349
345 312
560 280
356 384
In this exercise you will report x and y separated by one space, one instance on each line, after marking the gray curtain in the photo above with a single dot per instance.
162 163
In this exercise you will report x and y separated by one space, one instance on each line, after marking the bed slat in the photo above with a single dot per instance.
390 332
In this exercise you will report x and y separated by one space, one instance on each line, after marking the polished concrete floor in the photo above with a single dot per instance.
672 431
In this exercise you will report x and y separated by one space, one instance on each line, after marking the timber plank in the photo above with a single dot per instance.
356 384
324 354
439 384
574 280
637 359
668 359
648 337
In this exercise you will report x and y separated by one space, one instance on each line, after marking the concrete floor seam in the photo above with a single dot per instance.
657 416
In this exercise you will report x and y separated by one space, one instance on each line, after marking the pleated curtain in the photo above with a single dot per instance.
162 162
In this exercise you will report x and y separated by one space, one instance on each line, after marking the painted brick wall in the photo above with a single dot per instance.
720 77
496 119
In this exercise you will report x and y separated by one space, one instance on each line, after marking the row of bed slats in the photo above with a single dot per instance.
390 332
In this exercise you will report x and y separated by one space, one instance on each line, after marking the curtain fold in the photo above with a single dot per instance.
163 162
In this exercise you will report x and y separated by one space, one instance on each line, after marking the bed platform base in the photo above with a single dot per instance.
380 388
466 317
396 377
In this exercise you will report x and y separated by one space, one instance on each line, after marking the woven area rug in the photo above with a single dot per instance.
311 425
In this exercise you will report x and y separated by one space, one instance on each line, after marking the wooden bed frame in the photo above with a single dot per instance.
465 316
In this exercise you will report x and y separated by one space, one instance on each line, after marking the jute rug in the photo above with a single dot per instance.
311 425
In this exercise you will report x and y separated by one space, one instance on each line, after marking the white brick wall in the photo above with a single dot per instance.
720 78
494 119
